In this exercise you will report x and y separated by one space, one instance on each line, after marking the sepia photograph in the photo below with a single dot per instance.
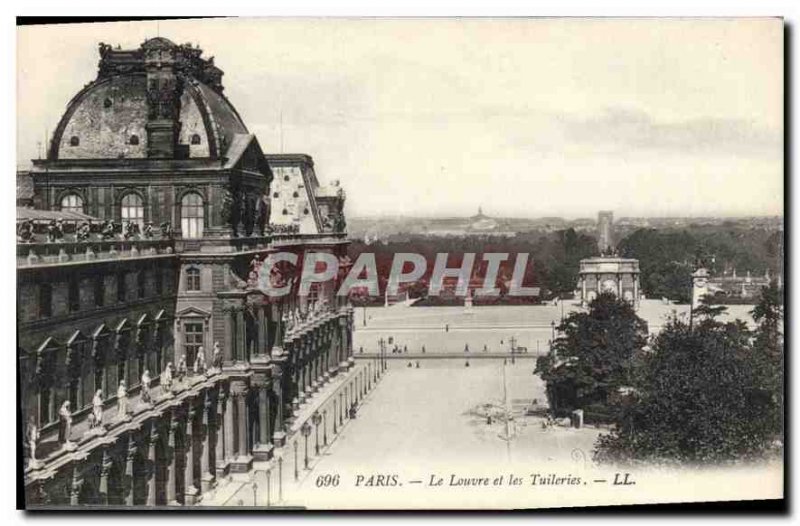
447 263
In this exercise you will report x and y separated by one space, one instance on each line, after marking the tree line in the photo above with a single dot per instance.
701 391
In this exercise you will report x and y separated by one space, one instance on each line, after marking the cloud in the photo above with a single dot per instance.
623 129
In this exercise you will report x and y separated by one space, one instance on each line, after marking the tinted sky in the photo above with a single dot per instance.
526 117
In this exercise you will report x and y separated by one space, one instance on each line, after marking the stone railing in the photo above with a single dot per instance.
48 253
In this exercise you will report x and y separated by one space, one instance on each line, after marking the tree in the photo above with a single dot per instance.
768 347
591 359
700 396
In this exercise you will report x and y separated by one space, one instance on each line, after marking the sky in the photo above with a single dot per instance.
436 117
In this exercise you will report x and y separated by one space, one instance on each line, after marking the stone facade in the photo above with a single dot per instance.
114 303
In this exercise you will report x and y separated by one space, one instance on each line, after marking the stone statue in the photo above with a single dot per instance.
64 423
217 357
97 408
107 230
122 400
166 378
25 231
146 387
53 231
263 211
182 369
166 230
131 230
148 230
83 231
200 361
33 441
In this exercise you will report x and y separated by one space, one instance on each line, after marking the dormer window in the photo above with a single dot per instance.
275 195
134 140
285 177
285 212
295 194
74 141
305 211
195 138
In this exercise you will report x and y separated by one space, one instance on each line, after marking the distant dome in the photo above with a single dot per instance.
108 118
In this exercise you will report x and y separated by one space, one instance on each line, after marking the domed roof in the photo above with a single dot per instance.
108 118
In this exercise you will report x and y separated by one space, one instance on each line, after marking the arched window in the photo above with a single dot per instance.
132 209
134 140
195 138
192 215
72 203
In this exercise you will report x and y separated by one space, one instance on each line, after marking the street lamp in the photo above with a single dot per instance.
296 471
316 418
305 430
269 483
280 478
325 428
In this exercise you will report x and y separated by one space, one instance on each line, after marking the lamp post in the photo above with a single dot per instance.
296 471
280 478
325 428
269 483
305 430
316 418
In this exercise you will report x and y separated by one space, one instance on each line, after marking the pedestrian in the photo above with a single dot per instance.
417 364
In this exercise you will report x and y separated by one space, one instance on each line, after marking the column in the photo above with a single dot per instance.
229 338
583 288
278 435
241 399
261 321
619 286
151 460
105 470
229 427
129 469
206 473
190 490
241 352
219 442
173 427
263 415
77 483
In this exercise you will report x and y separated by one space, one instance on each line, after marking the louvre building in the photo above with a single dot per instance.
150 366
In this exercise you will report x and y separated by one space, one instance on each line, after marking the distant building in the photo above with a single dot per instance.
609 274
605 231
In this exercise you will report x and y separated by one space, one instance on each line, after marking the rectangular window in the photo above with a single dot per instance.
45 300
122 292
140 282
193 280
193 339
99 292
